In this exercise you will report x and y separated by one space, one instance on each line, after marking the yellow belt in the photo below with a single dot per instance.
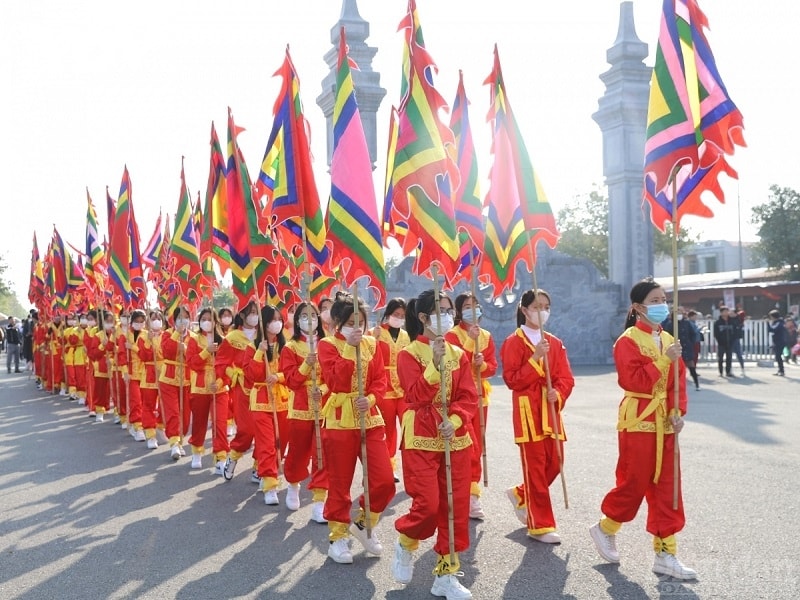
633 422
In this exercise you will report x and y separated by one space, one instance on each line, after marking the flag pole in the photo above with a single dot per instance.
362 417
312 346
448 468
478 379
551 406
676 375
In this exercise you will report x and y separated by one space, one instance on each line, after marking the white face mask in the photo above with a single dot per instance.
91 323
346 331
226 321
181 324
137 326
396 322
533 315
206 326
326 315
275 327
108 326
83 322
123 320
71 322
307 326
251 320
156 324
446 323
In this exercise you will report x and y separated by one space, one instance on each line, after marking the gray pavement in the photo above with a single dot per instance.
88 513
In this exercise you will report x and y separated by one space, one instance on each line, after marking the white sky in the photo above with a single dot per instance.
93 85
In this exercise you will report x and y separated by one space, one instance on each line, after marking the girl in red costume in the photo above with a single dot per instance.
391 340
269 402
299 365
54 365
209 396
100 347
231 358
650 415
174 381
149 350
478 345
341 436
527 355
75 357
226 318
423 443
128 356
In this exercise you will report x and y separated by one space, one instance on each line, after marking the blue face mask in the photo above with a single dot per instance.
656 313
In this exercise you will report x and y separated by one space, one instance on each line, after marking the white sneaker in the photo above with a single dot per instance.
371 544
139 436
318 512
131 430
197 461
520 511
99 417
123 426
92 413
254 478
271 498
219 468
81 401
116 420
231 431
62 392
403 564
293 496
175 452
475 509
339 551
606 544
181 450
161 436
551 537
230 467
449 587
152 444
668 564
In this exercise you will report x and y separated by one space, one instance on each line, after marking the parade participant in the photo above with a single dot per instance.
174 381
100 347
527 355
40 351
354 395
231 357
269 402
88 324
54 366
75 358
300 367
325 304
149 351
209 396
226 318
650 414
478 345
119 368
133 371
425 437
392 338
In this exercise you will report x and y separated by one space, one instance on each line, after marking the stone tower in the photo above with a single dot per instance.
622 117
369 93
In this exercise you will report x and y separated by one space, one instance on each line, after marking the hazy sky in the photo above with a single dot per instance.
93 85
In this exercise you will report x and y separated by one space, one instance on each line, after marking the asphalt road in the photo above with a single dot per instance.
87 513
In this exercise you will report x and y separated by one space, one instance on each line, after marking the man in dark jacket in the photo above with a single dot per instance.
725 332
778 330
13 344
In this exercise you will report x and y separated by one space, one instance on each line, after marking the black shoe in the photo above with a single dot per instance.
17 371
780 374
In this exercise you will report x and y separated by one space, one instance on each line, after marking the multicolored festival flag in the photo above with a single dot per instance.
153 248
287 180
95 268
352 220
124 260
37 281
184 251
422 164
519 213
692 124
214 237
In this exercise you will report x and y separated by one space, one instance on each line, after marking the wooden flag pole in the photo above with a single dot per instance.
362 416
676 374
479 380
448 466
552 408
312 347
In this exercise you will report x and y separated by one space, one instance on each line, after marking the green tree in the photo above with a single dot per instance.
584 232
778 222
9 303
223 297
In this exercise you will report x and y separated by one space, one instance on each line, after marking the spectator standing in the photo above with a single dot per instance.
13 340
27 339
739 318
791 337
725 329
778 330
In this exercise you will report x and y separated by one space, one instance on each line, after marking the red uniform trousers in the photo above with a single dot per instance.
170 396
392 410
635 470
245 428
540 468
76 379
302 440
54 371
90 393
201 406
341 449
102 397
265 451
424 475
151 412
134 402
120 396
474 428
